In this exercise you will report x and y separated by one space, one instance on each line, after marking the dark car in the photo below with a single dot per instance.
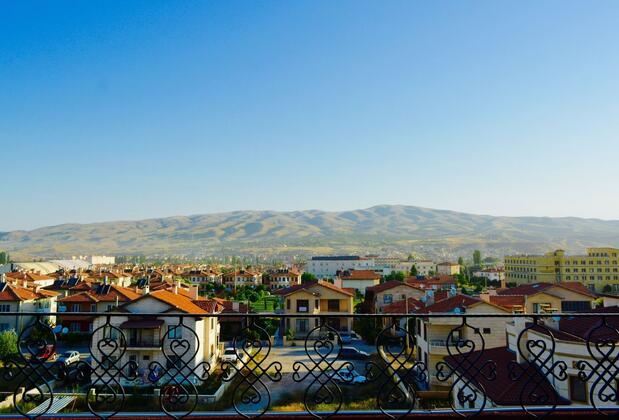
353 354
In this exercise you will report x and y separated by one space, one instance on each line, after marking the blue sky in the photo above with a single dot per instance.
129 110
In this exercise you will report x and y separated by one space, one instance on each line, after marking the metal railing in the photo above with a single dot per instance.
524 364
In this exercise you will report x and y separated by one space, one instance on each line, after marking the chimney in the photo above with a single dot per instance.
194 292
146 290
485 296
177 285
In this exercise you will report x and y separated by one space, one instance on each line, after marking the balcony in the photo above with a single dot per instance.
143 343
262 376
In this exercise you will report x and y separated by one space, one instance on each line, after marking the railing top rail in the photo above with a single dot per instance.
305 315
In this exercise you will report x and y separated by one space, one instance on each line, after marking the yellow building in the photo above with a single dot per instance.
598 270
317 298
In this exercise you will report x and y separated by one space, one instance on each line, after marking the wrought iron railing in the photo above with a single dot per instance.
487 364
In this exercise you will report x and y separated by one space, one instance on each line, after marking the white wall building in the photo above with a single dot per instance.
328 266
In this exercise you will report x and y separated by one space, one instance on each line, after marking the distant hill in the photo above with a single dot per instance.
379 229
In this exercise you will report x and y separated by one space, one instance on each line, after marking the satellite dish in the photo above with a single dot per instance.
65 330
556 318
457 311
57 329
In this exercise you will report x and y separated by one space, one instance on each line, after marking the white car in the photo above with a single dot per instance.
229 355
345 376
69 357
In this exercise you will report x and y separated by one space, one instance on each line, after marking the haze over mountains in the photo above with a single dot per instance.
380 229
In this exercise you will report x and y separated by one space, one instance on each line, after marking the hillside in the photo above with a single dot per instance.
385 229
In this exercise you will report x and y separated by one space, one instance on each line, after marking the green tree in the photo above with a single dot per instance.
8 344
368 329
394 275
414 270
477 257
3 257
308 277
460 261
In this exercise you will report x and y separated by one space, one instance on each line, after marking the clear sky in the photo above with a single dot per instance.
129 110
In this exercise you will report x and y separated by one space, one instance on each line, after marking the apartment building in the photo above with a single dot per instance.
434 335
148 338
328 266
598 269
316 298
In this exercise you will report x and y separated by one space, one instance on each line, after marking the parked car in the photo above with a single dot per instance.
352 353
348 337
350 377
229 355
69 357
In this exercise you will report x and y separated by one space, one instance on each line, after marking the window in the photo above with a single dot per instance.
75 307
5 308
288 304
175 331
387 299
4 327
575 306
487 330
578 389
302 305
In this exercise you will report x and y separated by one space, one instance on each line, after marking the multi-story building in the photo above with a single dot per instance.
359 280
491 274
316 298
147 337
598 269
282 278
573 340
203 277
448 268
327 267
425 267
542 298
434 335
242 278
15 298
381 295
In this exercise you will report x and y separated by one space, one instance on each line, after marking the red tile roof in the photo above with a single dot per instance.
507 301
502 388
211 306
457 301
534 288
399 307
297 287
359 275
388 285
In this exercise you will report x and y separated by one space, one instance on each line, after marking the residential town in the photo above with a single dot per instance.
211 307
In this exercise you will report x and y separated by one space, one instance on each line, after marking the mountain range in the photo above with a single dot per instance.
383 229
